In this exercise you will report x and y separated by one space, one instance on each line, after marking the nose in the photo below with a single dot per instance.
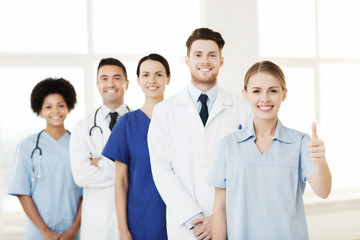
265 97
205 60
152 79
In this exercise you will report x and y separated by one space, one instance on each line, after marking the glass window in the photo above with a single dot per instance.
300 102
338 34
43 26
340 84
143 27
287 28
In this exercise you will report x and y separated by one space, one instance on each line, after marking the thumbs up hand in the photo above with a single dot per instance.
316 147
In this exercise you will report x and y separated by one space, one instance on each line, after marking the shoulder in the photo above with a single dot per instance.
232 98
294 135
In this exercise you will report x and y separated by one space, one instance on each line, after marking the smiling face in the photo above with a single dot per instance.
153 79
112 84
204 61
54 110
264 94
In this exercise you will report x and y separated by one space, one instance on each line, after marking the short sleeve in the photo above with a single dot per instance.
217 173
307 166
116 147
20 176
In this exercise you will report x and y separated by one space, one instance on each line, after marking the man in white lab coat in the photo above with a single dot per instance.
92 171
183 136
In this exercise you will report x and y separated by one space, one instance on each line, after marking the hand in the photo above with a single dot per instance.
316 147
94 161
125 236
68 235
50 235
202 228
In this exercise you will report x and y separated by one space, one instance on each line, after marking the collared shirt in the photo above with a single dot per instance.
121 110
195 93
264 191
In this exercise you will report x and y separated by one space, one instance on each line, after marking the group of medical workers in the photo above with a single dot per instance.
202 164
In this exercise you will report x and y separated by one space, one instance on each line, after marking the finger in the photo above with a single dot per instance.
196 221
314 134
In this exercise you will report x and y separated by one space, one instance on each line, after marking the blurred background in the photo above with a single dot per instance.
316 42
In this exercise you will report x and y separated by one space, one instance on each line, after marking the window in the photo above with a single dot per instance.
50 38
321 61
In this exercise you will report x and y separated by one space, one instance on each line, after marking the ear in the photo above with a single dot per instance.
284 94
168 79
127 84
243 93
187 61
221 61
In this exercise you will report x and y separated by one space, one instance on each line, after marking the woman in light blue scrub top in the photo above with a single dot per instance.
141 212
260 172
41 176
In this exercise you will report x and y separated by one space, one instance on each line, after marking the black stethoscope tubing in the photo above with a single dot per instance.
97 126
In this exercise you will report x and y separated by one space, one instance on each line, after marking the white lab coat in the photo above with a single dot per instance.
98 216
181 152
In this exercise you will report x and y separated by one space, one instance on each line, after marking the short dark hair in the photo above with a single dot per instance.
205 34
111 61
154 57
52 86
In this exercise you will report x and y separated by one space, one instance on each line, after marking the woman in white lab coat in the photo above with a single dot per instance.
41 176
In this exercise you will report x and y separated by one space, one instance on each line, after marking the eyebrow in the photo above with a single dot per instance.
106 75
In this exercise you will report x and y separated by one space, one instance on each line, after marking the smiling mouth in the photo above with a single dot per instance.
152 88
55 118
111 91
265 108
204 69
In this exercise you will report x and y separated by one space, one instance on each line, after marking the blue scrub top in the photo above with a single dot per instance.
55 194
128 144
264 191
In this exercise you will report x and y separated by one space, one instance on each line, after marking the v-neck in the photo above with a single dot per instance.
54 140
146 116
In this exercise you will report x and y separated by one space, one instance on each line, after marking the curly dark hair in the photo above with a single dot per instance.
52 86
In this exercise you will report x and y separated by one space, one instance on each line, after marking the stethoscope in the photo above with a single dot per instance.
38 175
97 126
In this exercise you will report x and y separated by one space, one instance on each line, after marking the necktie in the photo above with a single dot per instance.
113 117
204 113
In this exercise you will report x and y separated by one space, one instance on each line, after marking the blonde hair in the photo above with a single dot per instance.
265 67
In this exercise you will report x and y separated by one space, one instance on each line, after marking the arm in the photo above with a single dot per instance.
178 201
219 218
84 172
121 196
31 211
72 232
321 180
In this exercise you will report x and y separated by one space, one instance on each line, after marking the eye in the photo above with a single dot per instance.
145 75
103 78
256 91
62 105
212 55
198 55
273 91
159 75
47 107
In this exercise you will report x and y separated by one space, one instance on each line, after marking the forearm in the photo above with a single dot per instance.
321 180
121 198
219 226
32 213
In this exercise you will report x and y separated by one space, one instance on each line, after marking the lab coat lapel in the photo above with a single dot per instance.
221 102
185 102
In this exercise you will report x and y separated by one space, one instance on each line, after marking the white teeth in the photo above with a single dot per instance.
55 118
204 69
265 108
110 91
152 88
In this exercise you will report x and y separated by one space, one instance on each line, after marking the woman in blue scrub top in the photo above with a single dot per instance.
260 172
140 209
41 176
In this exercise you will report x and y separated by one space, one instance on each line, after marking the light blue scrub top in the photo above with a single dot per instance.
264 191
55 194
